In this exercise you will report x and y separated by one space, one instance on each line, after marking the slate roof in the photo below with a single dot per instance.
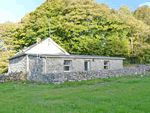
77 56
22 52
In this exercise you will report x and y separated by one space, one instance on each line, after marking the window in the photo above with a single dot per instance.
86 65
67 65
106 64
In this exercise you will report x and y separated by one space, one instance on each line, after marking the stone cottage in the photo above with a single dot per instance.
49 57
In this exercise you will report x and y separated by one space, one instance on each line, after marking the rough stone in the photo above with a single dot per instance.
61 77
56 65
18 64
8 77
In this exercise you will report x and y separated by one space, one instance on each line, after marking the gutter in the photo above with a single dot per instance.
16 56
113 58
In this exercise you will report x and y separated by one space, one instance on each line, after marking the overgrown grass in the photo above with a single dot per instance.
129 94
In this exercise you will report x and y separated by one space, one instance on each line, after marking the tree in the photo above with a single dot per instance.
143 13
116 47
7 31
125 10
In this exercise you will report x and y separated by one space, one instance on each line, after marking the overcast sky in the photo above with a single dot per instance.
14 10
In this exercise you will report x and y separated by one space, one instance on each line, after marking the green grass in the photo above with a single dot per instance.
128 94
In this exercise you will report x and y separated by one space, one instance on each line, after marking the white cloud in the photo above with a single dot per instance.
146 3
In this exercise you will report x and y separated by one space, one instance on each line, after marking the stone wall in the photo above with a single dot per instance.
36 64
18 64
97 64
116 64
55 65
8 77
57 78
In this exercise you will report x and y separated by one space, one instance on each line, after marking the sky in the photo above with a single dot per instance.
14 10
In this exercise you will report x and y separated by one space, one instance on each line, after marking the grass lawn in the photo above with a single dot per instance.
125 95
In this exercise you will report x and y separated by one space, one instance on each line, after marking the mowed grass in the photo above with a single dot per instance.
122 95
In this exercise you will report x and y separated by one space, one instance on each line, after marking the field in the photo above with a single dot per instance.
130 94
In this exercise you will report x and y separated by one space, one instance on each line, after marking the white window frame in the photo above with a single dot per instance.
70 66
88 65
107 64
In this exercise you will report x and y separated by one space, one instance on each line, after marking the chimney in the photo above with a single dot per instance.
38 40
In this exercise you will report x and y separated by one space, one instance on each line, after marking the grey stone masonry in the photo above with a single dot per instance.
18 64
36 74
8 77
116 64
57 78
56 65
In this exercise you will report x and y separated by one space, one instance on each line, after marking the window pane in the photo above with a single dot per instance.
67 62
66 68
86 66
105 67
105 62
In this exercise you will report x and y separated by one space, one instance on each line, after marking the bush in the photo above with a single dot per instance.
126 62
147 61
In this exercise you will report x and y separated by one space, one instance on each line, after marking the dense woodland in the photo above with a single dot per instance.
82 27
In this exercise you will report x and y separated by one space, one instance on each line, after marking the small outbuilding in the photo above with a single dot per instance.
51 58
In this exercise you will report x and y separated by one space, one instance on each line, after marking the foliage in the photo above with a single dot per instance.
125 10
86 46
6 43
112 45
142 13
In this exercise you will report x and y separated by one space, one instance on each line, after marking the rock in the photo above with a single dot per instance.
146 74
84 79
56 80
